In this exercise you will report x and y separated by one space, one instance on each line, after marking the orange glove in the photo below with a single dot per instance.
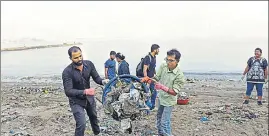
146 79
89 91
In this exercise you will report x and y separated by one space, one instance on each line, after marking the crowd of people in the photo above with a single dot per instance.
165 84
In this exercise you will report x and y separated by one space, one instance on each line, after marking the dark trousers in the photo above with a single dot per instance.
79 115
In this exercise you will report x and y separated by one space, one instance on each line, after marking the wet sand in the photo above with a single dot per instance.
41 108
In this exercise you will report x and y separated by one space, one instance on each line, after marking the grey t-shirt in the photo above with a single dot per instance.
256 70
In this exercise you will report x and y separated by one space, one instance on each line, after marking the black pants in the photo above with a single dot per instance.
79 115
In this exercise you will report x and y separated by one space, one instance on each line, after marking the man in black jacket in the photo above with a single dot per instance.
76 82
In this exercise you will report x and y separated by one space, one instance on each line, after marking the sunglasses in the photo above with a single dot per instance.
169 60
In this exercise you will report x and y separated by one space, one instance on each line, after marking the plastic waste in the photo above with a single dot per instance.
204 119
11 131
103 129
88 132
46 91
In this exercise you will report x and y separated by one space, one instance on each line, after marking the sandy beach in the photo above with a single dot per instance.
37 108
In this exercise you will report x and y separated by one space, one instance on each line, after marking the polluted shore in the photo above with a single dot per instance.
35 107
39 47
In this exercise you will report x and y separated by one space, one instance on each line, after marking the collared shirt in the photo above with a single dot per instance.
111 65
151 63
76 81
173 80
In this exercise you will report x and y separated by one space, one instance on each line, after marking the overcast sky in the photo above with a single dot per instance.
233 28
118 19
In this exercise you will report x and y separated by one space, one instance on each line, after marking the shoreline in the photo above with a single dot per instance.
38 47
57 77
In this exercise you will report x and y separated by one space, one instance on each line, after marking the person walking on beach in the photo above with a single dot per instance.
147 69
76 82
123 67
257 75
110 66
168 81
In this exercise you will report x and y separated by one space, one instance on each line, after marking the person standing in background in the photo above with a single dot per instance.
123 67
110 66
149 65
257 75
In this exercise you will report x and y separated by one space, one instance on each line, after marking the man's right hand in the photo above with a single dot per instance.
89 91
266 80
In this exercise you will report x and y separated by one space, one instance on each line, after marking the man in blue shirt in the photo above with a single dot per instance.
110 66
149 64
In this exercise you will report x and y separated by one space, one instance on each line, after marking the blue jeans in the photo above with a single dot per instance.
153 94
250 87
164 120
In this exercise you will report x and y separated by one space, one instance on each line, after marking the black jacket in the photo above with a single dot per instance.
123 68
75 82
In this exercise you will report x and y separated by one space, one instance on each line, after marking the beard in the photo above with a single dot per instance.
79 63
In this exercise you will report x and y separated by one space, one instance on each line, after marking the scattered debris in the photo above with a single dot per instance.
203 119
208 113
11 132
190 80
28 110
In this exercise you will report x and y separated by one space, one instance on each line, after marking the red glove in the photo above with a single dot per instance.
89 91
160 86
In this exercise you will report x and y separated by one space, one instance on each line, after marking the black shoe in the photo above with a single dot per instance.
246 102
130 130
259 102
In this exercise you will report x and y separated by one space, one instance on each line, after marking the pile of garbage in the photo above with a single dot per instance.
126 100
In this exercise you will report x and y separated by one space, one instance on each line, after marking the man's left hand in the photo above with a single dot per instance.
105 81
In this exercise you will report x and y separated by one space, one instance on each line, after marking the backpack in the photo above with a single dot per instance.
139 68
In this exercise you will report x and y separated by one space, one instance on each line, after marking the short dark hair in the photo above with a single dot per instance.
73 49
174 52
258 49
112 53
154 47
